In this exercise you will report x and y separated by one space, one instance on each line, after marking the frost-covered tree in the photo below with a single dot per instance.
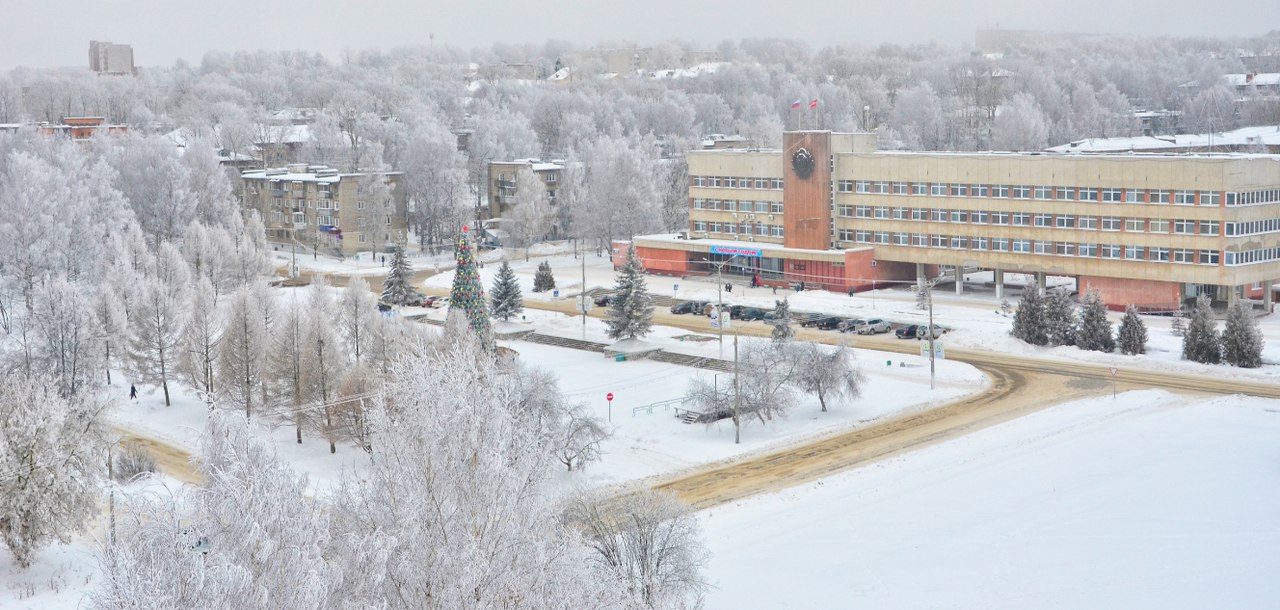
1028 321
202 339
467 294
1095 329
622 192
66 336
1201 342
52 454
242 357
113 324
506 297
543 280
397 288
357 316
161 316
922 293
649 541
766 390
435 177
288 363
325 361
829 375
1179 324
251 537
1241 338
1060 318
157 186
579 439
1132 336
1020 126
631 310
532 216
782 331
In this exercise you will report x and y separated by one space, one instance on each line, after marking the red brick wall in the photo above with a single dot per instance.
861 275
1145 294
661 261
806 218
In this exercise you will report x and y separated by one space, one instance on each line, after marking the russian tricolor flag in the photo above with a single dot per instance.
795 104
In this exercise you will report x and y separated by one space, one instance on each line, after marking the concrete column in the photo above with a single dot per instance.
959 279
920 271
1040 282
999 273
1232 296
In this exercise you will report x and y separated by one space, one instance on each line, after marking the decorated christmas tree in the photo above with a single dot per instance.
467 295
507 300
397 289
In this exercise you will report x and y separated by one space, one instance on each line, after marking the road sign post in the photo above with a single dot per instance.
1114 370
609 397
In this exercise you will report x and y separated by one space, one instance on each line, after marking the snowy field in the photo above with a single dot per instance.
1151 500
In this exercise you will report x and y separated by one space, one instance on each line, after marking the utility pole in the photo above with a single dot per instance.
931 333
737 423
583 305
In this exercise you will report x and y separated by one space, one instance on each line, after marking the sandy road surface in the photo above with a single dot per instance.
170 460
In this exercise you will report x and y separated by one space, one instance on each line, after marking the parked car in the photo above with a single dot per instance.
383 306
823 322
850 325
604 300
434 301
771 317
907 332
749 313
923 333
683 307
873 327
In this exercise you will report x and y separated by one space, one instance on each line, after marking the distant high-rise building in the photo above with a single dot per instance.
108 58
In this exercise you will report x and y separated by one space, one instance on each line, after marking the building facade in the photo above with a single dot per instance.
833 212
332 211
503 179
108 58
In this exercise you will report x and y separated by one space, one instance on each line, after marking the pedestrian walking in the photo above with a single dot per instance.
133 392
728 287
775 289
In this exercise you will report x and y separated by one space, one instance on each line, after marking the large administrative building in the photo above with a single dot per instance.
830 210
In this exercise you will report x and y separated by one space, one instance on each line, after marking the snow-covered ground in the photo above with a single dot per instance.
1150 500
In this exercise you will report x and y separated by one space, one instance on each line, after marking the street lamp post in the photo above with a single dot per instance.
720 298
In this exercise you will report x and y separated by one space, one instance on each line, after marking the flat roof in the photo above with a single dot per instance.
764 247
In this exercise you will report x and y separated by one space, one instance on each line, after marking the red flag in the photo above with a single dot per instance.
814 103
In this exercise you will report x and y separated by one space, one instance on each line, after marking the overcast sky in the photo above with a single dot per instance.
57 32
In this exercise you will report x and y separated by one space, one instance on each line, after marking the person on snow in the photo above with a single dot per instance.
133 392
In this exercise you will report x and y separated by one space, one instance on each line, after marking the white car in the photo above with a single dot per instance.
873 327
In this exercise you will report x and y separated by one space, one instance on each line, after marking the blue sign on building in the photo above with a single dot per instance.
749 252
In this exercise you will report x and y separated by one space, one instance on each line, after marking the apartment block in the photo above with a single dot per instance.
332 211
504 178
830 210
108 58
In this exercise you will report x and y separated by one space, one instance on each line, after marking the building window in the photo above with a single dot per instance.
1063 193
1044 220
938 241
1133 253
360 205
979 190
1110 223
1088 194
699 181
700 226
1109 250
762 183
959 190
862 211
862 186
882 237
1111 195
1135 225
999 218
919 239
762 230
959 243
882 212
1160 255
937 215
1088 222
1135 196
844 186
1158 226
730 228
978 217
880 188
1063 248
1208 257
938 190
1021 219
959 216
1043 192
1000 191
1184 227
1184 256
845 235
1022 245
900 213
1043 247
364 239
899 188
1158 197
1065 221
862 237
919 213
1089 250
844 211
1209 198
1000 244
1184 197
762 207
979 243
775 230
776 183
919 188
1021 192
1208 227
899 239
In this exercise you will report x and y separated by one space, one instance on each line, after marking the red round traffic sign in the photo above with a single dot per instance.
609 397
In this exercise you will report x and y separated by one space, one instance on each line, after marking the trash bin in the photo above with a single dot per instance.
620 358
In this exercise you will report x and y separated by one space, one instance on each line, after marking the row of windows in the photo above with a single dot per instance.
1021 191
730 228
1028 246
1254 197
1253 227
740 205
1250 257
1026 219
734 182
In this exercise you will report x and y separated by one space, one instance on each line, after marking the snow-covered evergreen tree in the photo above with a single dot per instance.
1179 325
1095 329
1132 335
1028 321
397 289
506 297
1201 342
782 331
1241 338
543 280
631 311
467 294
52 454
922 294
1060 319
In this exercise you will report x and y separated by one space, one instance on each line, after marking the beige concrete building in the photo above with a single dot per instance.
503 179
108 58
831 211
332 211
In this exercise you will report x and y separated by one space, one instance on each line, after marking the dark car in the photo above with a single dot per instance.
749 313
683 307
771 317
907 332
383 307
823 322
604 300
